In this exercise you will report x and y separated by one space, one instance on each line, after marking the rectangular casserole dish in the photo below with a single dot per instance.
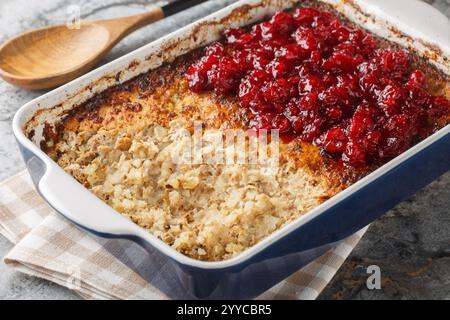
285 251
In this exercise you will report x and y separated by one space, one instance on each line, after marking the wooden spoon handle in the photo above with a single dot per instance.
179 5
121 27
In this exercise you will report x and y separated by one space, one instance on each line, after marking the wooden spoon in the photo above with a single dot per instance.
48 57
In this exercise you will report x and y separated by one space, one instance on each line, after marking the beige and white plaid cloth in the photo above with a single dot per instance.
50 247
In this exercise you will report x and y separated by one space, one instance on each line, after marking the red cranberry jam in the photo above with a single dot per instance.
312 78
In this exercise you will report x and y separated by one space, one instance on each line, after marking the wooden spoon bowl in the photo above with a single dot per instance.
47 57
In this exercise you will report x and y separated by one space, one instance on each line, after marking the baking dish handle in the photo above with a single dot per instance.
68 197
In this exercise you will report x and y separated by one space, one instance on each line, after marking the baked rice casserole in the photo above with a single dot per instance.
343 101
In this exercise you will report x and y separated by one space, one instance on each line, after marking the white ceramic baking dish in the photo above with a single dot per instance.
410 23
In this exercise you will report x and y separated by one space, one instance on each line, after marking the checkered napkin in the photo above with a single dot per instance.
50 247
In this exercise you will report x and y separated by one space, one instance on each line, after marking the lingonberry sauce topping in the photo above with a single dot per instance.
315 79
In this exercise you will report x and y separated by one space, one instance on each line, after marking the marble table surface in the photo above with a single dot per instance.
411 243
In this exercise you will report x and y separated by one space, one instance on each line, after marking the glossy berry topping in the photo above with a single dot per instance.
315 79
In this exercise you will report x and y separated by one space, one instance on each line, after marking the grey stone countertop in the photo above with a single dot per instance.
411 243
